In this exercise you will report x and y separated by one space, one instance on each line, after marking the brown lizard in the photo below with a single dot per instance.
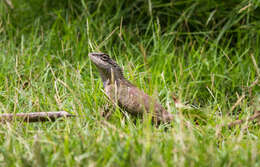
126 95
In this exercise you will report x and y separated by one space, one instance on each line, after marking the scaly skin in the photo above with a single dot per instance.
126 95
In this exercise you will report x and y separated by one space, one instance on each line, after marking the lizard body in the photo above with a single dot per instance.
125 94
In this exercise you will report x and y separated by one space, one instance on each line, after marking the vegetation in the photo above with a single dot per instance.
205 53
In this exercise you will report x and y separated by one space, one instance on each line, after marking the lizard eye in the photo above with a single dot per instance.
104 57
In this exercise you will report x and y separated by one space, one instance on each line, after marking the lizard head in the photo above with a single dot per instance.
107 67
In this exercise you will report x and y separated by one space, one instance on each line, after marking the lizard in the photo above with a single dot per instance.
122 92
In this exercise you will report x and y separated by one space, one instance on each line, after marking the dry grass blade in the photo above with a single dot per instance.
237 103
9 3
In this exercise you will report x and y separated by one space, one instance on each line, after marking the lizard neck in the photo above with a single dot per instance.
111 76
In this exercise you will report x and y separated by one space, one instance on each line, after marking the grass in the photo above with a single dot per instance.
164 48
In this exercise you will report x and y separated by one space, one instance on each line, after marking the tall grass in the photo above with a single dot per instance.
205 53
